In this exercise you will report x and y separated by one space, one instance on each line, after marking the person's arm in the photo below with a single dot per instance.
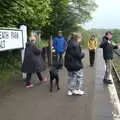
65 43
95 44
115 47
89 45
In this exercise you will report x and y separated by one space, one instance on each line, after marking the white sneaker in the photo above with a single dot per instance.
75 92
80 92
69 93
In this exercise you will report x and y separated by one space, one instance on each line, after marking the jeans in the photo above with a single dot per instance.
75 80
60 59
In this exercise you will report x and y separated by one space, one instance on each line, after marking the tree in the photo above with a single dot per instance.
48 15
34 13
116 36
67 14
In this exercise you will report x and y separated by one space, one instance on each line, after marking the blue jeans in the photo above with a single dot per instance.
60 59
75 80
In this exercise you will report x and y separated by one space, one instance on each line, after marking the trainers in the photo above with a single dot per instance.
29 85
69 93
80 92
75 92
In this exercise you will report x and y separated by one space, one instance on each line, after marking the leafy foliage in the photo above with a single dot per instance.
116 36
34 13
67 14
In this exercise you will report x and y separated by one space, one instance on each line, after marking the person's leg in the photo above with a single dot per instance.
72 78
41 77
28 78
58 58
57 81
107 71
27 81
79 82
61 60
90 57
79 79
93 56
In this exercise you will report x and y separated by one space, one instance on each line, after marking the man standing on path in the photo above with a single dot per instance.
60 46
92 45
108 55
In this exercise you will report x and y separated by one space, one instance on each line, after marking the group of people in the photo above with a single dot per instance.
108 47
33 61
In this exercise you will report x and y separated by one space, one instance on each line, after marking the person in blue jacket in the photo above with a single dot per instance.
60 46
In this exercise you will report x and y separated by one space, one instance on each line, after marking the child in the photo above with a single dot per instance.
73 63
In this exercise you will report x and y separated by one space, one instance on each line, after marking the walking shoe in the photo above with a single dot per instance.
29 85
80 92
107 81
75 92
69 93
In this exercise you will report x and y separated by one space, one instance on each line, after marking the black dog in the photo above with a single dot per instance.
54 75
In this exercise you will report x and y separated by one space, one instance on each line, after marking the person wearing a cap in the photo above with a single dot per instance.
74 65
33 62
60 46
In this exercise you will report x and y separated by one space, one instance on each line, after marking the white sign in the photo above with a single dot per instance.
11 39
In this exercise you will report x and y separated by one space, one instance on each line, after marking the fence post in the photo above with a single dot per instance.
50 49
24 29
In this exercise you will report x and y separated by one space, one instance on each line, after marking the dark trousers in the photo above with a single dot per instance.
60 59
92 56
28 78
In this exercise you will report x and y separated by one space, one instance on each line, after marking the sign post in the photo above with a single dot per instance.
12 38
24 29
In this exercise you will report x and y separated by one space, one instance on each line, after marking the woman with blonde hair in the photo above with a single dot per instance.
33 62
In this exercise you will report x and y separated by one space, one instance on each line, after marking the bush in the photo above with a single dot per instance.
10 64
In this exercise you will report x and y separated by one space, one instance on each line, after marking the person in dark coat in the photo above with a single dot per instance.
108 55
74 65
33 62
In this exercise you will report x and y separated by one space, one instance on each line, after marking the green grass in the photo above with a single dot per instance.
4 77
42 44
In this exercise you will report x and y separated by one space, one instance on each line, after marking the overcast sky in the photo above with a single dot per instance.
107 15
